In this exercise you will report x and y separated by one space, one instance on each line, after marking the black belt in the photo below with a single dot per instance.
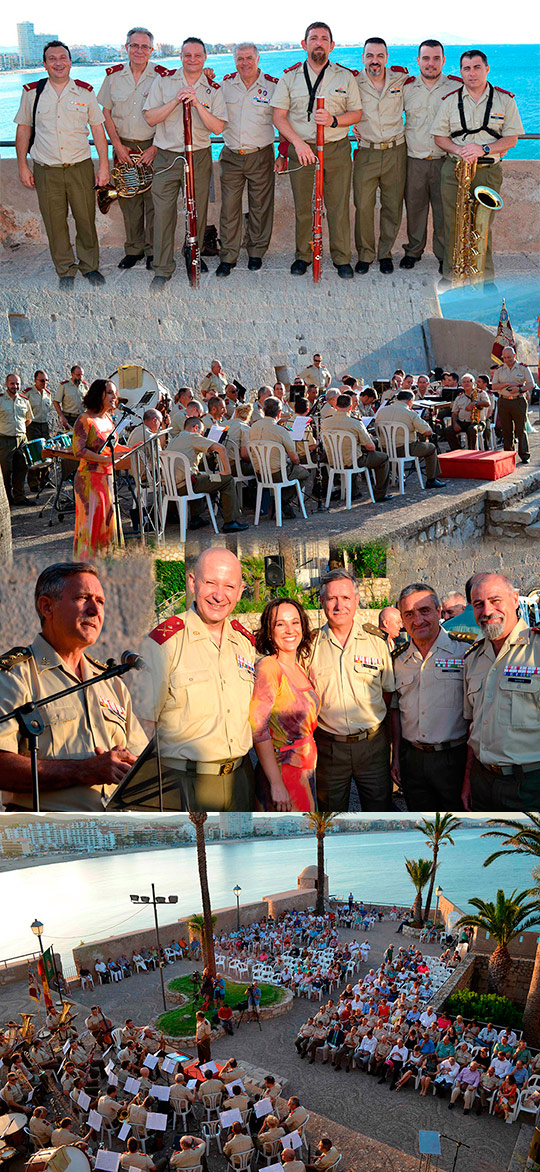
363 735
438 747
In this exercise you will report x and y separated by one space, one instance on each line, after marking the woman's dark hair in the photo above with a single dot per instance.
264 642
95 395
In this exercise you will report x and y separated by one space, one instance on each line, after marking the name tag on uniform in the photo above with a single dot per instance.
521 673
368 661
451 665
245 664
340 91
112 706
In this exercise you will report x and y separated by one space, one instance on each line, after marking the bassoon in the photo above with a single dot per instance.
191 246
318 199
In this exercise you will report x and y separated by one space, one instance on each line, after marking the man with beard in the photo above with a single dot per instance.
502 701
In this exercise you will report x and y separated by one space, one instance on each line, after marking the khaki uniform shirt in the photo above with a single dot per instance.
397 413
41 403
136 1160
267 429
339 89
382 113
137 1115
100 716
210 1086
429 692
421 103
208 421
270 1136
189 1158
63 1137
463 406
169 135
201 692
238 433
15 413
319 376
341 421
62 122
181 1095
295 1166
350 680
240 1101
327 411
519 376
192 445
249 111
214 384
238 1143
125 98
178 418
41 1130
502 698
504 117
108 1107
296 1118
70 397
327 1159
230 407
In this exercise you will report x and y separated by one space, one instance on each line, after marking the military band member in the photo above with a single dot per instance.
58 113
421 99
429 698
380 162
216 416
399 410
513 383
215 382
267 429
351 670
15 416
163 110
231 400
68 401
41 401
122 96
247 159
193 444
178 413
202 672
316 375
464 407
257 414
296 118
238 433
480 123
502 701
96 727
368 457
330 400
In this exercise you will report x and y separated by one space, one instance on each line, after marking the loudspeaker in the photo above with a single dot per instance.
274 570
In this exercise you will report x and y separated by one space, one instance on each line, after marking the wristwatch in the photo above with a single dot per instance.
334 122
486 148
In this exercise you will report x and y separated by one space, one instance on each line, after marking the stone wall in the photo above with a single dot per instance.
519 979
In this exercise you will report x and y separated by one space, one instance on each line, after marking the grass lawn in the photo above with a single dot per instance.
180 1022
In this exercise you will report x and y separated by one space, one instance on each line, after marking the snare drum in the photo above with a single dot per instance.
44 1160
12 1128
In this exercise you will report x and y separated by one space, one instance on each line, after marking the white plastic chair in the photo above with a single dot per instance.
389 434
211 1130
270 1157
334 444
210 1105
169 463
260 456
241 1161
240 478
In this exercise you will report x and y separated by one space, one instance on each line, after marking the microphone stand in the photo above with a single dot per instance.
459 1144
317 492
109 443
31 723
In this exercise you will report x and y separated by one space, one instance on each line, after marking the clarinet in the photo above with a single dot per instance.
191 246
318 199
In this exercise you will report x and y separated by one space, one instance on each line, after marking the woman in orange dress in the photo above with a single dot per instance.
95 522
284 709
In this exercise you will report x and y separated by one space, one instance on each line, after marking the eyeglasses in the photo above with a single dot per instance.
136 45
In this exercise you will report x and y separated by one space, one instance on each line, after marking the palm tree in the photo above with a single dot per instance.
420 873
523 838
437 834
197 925
207 941
320 823
504 919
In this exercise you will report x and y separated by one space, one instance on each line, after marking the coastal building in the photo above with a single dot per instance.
32 44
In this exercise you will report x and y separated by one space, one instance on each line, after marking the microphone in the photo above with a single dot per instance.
133 661
129 411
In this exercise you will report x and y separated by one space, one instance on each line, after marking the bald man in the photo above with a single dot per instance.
513 383
202 673
390 624
502 701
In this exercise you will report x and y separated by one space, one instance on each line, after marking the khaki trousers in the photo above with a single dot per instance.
211 791
512 418
165 190
384 171
138 213
486 176
426 450
225 485
58 189
367 762
336 189
257 171
13 466
422 192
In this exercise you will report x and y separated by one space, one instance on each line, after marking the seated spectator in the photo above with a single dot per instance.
429 1069
466 1084
449 1071
505 1099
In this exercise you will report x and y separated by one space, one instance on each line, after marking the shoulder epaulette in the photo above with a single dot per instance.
409 79
449 94
535 630
268 77
13 657
238 627
229 76
501 91
114 68
478 643
215 85
398 69
349 68
166 629
96 662
454 77
31 85
164 72
399 650
372 630
462 636
84 85
291 67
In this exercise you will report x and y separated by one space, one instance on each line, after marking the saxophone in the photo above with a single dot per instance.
476 411
473 216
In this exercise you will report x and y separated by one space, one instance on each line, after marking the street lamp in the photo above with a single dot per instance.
154 901
37 929
438 893
237 891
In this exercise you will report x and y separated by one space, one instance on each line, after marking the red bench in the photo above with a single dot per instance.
463 465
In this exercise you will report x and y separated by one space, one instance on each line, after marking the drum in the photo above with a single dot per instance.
7 1154
137 388
33 453
12 1128
61 441
47 1160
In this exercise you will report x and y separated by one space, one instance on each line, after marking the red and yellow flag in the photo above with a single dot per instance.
44 984
505 336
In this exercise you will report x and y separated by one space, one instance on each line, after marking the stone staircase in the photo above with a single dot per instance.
513 510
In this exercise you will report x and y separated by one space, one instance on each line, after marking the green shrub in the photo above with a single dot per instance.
485 1007
170 580
180 1022
369 560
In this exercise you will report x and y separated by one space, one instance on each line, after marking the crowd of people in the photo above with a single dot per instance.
409 134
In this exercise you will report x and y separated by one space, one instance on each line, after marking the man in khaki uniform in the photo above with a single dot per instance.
239 1142
341 420
96 727
380 162
429 697
39 1127
41 401
480 123
122 96
268 429
192 443
68 401
163 110
296 117
63 169
192 1153
109 1106
326 1156
180 1097
421 100
203 1033
296 1116
502 701
351 671
289 1160
400 411
135 1158
257 414
513 383
15 416
216 416
215 382
329 407
203 672
316 375
247 158
463 408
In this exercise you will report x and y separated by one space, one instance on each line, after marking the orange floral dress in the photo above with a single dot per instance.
286 714
95 522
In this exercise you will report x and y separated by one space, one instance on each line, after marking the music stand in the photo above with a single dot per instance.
149 466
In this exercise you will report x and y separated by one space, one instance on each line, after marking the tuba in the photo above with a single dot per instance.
473 217
127 180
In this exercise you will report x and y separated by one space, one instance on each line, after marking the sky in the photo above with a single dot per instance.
459 23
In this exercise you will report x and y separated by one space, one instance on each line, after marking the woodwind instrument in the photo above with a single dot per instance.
473 217
318 199
191 246
476 411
